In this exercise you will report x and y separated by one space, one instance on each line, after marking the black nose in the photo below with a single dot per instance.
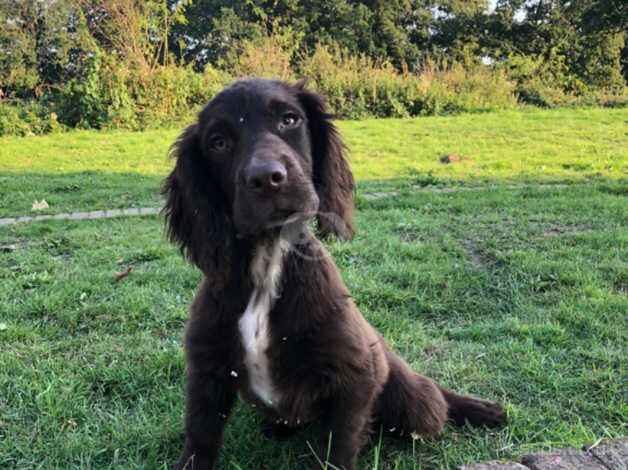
265 177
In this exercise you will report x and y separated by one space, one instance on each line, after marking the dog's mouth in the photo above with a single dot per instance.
280 220
256 217
290 217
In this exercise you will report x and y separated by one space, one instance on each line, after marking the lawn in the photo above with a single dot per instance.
114 169
517 294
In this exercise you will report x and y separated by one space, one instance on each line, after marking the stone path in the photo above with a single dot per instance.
609 455
461 189
82 215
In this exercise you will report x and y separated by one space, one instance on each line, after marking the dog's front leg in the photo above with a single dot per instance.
208 403
344 432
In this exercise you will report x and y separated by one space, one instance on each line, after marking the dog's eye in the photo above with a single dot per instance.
288 120
218 142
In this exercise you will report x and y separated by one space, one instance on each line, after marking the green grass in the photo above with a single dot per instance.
515 295
98 170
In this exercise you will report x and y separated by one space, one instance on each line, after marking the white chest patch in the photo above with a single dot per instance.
253 324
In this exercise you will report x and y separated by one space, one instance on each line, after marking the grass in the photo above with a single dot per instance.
518 295
98 170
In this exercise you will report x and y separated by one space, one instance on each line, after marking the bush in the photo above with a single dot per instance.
357 86
122 93
97 98
453 88
536 80
118 94
269 57
27 118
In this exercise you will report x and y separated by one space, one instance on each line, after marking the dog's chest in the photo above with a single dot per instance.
254 323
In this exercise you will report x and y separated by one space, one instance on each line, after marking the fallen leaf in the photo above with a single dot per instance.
120 261
3 326
39 205
122 274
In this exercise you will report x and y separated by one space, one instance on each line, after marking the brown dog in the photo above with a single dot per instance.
272 318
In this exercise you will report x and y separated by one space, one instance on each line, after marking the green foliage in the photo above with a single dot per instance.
114 63
358 86
265 57
42 43
27 118
116 94
534 78
85 101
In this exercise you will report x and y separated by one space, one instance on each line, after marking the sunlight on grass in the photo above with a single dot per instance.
512 294
533 143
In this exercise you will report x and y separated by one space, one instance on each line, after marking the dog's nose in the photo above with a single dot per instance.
265 176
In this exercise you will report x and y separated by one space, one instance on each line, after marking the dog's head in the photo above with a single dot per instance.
261 153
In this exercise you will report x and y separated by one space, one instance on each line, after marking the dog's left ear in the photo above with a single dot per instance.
333 179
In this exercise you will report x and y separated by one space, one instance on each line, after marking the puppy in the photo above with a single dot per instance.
272 319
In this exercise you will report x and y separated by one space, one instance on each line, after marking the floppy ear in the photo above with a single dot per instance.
333 179
195 212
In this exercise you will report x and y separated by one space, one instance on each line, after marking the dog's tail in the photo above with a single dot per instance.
413 404
474 411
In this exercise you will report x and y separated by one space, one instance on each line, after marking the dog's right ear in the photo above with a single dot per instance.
195 213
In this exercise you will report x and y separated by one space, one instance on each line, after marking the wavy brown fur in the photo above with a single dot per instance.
329 365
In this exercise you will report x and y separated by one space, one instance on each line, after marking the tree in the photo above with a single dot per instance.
42 43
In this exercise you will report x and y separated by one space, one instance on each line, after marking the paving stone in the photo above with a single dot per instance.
563 459
7 221
378 195
149 210
100 214
613 453
494 465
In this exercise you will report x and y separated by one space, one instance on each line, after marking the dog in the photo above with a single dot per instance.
272 319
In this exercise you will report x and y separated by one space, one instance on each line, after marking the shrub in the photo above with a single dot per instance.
94 99
536 80
120 94
169 93
268 57
357 86
453 87
27 118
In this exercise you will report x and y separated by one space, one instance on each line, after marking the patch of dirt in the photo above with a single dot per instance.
478 259
557 229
